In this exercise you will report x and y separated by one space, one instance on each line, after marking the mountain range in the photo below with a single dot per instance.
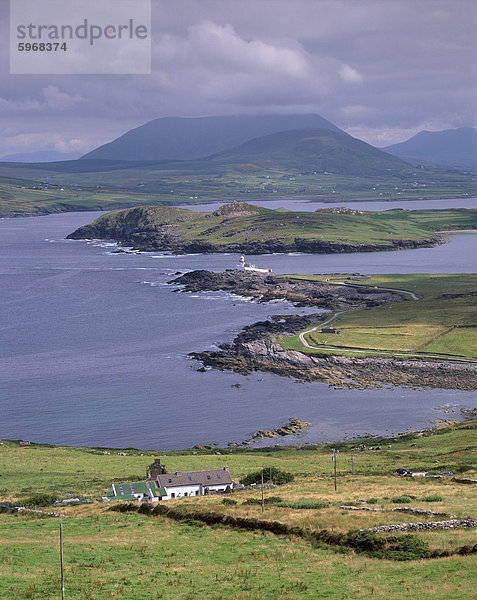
179 138
448 148
310 158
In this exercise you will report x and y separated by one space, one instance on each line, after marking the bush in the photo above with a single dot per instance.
432 498
39 500
229 501
278 476
394 547
462 468
269 500
307 504
372 501
401 499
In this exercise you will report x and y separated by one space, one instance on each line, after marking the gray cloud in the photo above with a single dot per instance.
381 69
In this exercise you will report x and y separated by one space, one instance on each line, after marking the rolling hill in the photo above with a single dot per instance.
313 149
448 148
179 138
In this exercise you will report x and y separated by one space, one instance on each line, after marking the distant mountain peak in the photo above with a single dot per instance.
191 138
447 148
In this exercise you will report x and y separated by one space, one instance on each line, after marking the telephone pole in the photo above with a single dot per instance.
263 502
334 461
61 563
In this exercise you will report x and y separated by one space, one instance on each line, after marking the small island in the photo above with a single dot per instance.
248 229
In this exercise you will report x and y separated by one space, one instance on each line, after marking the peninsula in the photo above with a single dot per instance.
408 330
246 228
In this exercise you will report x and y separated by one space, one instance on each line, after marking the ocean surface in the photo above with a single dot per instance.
93 345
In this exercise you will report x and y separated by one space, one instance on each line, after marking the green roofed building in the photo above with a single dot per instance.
161 485
139 490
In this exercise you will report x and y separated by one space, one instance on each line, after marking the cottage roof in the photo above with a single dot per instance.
205 478
126 491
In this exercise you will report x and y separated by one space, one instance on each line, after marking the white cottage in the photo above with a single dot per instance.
194 483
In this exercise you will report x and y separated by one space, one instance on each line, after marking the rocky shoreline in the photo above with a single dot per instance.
301 292
164 239
255 348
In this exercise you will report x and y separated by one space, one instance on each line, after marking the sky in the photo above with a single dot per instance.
382 70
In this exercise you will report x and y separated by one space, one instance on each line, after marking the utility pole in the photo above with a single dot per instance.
61 563
352 465
334 460
263 502
271 481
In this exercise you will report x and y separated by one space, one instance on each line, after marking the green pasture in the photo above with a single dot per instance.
132 556
109 185
443 320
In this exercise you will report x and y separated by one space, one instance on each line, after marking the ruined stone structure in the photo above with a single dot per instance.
155 469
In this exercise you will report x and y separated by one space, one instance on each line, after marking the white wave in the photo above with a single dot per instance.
104 244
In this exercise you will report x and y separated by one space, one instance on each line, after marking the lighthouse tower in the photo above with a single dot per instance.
242 262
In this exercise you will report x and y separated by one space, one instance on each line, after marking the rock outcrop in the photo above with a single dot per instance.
301 292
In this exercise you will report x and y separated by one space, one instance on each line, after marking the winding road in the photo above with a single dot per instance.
405 354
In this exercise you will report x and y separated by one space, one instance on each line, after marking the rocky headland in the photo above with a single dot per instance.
265 287
256 348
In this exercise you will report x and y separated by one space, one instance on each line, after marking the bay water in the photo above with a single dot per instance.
93 345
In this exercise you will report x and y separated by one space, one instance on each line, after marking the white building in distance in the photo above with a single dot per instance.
194 483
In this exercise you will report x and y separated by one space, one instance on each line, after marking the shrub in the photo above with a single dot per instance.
372 500
229 501
462 468
307 504
432 498
278 476
401 499
269 500
394 547
39 500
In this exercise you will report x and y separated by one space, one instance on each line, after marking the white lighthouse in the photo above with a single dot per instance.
251 267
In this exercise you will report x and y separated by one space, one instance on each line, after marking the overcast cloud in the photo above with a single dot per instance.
380 69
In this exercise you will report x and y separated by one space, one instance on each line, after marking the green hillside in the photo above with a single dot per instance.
131 556
308 163
245 228
314 150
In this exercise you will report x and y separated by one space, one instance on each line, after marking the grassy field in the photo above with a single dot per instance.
443 320
22 197
133 556
80 185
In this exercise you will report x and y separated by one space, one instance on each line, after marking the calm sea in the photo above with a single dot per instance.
93 345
